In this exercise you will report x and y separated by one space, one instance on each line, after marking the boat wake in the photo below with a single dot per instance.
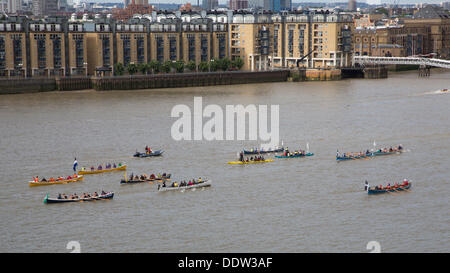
437 92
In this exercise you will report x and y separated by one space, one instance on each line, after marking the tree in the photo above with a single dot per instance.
132 68
118 69
203 66
155 66
224 64
166 66
214 64
178 66
237 63
191 66
143 68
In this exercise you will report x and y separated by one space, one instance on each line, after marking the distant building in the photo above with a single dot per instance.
45 7
238 4
445 5
210 4
352 5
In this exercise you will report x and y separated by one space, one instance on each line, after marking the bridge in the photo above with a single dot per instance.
401 60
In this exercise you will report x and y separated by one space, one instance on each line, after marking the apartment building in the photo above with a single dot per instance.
59 46
77 49
13 48
47 47
250 37
265 41
378 42
132 42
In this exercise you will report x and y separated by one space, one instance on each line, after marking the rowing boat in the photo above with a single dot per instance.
254 152
154 153
206 183
108 195
250 162
294 155
121 168
384 190
367 155
353 157
149 180
40 183
387 153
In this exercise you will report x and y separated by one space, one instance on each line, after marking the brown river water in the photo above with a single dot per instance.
312 204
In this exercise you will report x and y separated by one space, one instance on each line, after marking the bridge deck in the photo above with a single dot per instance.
402 60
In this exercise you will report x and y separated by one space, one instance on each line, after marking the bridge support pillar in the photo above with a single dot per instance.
424 71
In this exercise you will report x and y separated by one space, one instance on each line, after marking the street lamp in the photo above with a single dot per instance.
24 70
85 68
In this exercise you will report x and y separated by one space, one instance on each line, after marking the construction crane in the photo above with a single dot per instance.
302 58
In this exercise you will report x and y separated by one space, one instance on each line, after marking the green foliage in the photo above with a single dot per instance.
203 66
191 66
143 68
178 66
155 66
132 68
237 63
224 64
166 66
382 10
214 64
119 69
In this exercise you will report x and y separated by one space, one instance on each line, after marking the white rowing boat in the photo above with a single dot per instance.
206 183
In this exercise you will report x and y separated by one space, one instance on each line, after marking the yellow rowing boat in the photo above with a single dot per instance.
250 162
121 168
33 183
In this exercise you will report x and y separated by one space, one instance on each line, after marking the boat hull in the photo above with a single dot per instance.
109 195
166 178
34 184
263 152
292 156
121 168
339 158
155 153
249 162
207 183
373 191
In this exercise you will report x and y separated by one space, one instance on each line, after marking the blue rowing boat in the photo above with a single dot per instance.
154 153
294 155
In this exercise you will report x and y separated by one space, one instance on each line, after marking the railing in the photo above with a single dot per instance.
402 60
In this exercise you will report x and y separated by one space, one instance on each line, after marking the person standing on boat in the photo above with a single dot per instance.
366 188
241 156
